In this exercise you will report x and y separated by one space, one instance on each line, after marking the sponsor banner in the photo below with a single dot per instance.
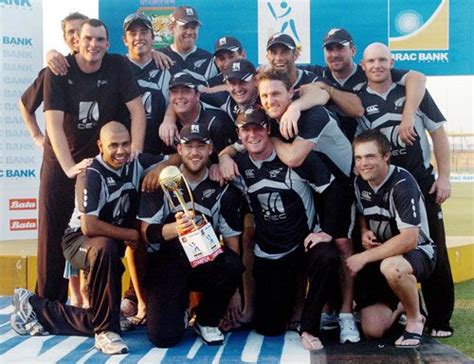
425 35
20 61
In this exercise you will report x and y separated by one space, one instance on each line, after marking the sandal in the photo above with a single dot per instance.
310 342
409 336
441 334
137 320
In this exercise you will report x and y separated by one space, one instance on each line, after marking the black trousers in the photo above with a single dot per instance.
101 258
438 289
169 281
55 207
323 276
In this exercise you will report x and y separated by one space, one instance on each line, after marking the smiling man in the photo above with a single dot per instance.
76 106
384 102
398 251
99 229
183 52
170 276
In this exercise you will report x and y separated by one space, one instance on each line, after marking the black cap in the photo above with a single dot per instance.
251 115
283 39
185 14
137 18
240 69
194 131
183 79
337 36
230 44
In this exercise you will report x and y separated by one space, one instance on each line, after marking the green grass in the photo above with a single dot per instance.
459 210
463 319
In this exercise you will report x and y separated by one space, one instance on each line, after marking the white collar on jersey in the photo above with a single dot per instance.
118 172
258 163
391 168
183 55
383 95
194 184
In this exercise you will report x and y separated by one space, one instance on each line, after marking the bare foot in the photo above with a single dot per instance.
310 342
440 333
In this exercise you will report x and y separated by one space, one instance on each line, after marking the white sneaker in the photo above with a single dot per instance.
110 343
209 334
328 321
128 307
23 320
349 331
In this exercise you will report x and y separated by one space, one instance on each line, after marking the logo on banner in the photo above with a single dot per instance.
23 224
422 28
22 204
291 17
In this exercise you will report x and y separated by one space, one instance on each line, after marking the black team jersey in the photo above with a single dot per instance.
220 127
220 206
319 126
153 84
355 82
396 204
111 195
281 199
88 100
384 113
198 62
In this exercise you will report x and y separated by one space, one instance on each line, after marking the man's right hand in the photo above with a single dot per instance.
78 167
228 167
168 131
369 240
57 63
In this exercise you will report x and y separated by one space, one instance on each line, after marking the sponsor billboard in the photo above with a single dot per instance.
431 36
20 159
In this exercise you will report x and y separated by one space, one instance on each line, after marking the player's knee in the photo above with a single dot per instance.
390 268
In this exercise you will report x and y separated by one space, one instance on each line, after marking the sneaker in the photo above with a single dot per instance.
328 321
23 320
128 307
209 334
110 343
349 331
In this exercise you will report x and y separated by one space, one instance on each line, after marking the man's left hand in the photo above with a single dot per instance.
442 187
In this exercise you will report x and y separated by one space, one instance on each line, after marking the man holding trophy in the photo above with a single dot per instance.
179 223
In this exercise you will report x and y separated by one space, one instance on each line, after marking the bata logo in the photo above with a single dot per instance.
22 204
23 224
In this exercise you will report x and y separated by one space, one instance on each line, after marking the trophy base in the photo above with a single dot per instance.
201 245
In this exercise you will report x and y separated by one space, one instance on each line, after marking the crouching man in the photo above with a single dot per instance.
99 230
398 250
170 277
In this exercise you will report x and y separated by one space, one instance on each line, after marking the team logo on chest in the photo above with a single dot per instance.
110 181
366 196
372 109
275 172
249 173
208 193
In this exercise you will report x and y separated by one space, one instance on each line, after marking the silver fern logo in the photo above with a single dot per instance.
88 114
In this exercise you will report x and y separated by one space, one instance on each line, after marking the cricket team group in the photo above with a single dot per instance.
317 181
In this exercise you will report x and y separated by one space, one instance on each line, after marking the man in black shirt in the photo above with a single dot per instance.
99 229
170 276
287 226
395 235
76 106
384 101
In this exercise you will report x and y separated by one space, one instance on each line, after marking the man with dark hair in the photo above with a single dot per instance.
76 106
384 102
398 251
99 229
226 50
170 276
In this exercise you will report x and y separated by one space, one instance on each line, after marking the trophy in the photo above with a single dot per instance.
200 243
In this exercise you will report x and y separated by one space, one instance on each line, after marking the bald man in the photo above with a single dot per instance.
383 102
99 230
